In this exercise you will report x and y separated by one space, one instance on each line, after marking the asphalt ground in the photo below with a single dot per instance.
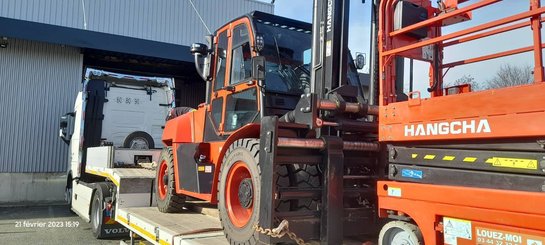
45 225
56 224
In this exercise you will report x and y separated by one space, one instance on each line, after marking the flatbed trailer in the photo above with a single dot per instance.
180 228
135 210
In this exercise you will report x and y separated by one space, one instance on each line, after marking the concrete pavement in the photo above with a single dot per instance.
45 225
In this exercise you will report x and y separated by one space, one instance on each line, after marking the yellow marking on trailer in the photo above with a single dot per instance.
120 218
448 158
429 157
141 230
519 163
106 175
414 156
470 159
201 168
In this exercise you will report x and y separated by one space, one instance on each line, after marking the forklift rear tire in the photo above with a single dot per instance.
165 186
400 232
239 184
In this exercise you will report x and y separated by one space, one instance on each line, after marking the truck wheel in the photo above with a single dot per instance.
239 190
165 188
68 192
139 141
400 232
104 226
97 211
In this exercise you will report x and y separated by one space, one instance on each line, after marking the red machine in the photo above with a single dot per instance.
277 135
465 167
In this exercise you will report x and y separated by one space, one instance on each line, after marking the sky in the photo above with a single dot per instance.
359 34
359 29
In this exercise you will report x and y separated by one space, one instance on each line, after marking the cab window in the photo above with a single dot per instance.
221 60
241 56
240 109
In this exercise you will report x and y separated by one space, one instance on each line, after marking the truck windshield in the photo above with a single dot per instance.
287 53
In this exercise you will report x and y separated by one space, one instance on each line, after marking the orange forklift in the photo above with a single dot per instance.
282 135
464 167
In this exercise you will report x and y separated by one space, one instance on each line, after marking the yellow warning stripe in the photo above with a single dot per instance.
107 175
429 157
449 158
470 159
141 230
518 163
502 162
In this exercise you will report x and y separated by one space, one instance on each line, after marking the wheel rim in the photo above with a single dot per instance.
139 144
239 213
401 237
162 185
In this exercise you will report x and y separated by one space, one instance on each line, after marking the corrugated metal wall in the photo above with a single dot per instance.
38 83
171 21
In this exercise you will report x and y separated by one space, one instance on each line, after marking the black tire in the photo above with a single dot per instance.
170 202
68 192
246 151
132 140
98 227
402 231
97 214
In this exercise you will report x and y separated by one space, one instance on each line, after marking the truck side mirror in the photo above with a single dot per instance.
63 125
258 68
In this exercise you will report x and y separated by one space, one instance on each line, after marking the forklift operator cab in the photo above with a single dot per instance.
256 66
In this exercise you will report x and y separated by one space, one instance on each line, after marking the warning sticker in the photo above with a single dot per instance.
394 192
456 228
486 236
519 163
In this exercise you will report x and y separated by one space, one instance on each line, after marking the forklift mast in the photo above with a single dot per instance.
329 46
329 132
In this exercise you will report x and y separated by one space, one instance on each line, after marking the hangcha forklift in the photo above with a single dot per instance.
464 167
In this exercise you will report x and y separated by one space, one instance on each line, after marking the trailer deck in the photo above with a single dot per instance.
181 228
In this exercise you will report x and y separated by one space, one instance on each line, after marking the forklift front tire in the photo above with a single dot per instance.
400 232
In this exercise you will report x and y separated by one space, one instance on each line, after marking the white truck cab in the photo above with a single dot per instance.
113 132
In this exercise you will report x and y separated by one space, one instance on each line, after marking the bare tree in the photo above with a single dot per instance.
511 75
466 79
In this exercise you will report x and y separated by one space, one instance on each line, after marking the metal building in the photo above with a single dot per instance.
45 47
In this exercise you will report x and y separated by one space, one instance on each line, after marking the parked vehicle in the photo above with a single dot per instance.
115 127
